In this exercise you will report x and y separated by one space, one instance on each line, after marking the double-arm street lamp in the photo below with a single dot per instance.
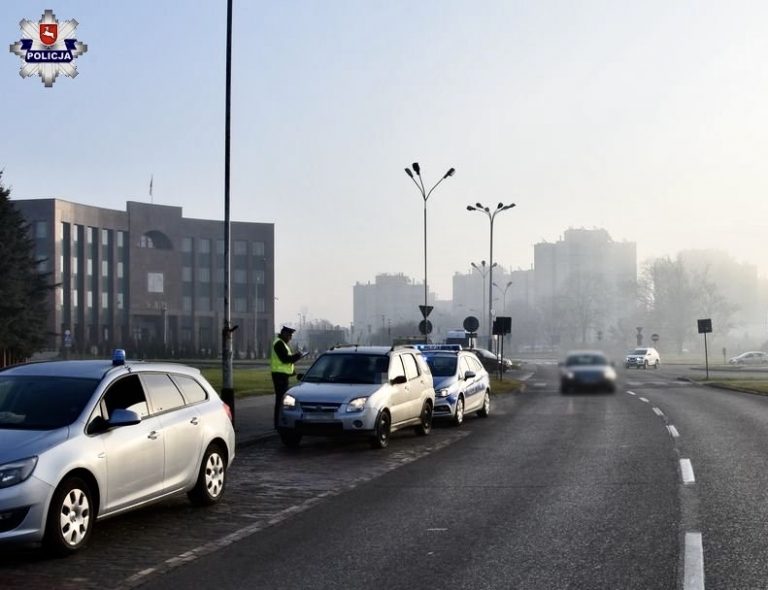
491 216
483 269
425 196
504 293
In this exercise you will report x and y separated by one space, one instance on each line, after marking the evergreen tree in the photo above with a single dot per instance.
23 289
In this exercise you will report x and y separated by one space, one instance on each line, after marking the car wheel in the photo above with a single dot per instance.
645 364
458 416
485 411
290 439
70 517
425 425
656 366
380 439
212 477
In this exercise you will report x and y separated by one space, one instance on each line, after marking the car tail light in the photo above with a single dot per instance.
227 411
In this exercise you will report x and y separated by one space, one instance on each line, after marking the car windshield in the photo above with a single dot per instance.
442 365
640 351
348 368
577 360
42 403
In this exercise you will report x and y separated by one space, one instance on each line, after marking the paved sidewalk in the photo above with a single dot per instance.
253 419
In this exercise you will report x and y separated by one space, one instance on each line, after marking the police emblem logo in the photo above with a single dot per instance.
48 48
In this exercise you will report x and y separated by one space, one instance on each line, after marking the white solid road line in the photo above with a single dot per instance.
673 431
686 470
694 562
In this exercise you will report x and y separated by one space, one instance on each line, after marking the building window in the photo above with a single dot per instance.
146 242
219 275
260 305
204 275
186 303
119 270
241 247
241 277
120 301
220 247
186 244
204 303
105 268
41 229
258 277
186 274
89 299
155 282
257 248
105 301
204 246
240 304
90 235
89 267
105 237
120 239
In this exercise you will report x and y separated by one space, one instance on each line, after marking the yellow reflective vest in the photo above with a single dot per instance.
276 364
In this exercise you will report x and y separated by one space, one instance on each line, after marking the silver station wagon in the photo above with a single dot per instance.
84 440
361 391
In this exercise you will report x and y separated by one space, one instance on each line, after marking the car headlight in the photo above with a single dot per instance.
16 471
289 402
442 392
569 374
357 404
609 373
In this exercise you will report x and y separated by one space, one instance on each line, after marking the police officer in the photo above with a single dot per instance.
281 364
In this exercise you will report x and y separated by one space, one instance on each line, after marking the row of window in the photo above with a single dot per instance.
239 247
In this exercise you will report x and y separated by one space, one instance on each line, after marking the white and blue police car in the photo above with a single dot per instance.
461 382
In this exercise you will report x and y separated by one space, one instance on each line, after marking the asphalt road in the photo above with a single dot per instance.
661 485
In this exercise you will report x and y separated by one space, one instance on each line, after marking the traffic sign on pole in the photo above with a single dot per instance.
426 310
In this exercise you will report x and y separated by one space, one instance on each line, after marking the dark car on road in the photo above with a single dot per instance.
587 370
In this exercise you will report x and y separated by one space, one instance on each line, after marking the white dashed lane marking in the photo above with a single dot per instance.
694 562
686 471
673 431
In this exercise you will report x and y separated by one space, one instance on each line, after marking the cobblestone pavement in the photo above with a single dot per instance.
267 484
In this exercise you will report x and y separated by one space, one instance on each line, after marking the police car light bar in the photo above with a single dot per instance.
428 347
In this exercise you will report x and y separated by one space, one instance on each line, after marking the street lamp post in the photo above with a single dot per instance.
491 217
425 196
504 292
483 270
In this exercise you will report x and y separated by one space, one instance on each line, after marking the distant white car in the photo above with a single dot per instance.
755 357
642 358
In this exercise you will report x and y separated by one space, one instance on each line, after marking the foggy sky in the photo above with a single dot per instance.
646 119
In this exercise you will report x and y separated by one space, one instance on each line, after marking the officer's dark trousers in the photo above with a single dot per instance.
280 381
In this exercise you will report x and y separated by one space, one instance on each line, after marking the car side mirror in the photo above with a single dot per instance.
399 380
122 417
469 375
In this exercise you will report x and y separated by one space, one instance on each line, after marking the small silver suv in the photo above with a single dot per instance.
360 391
642 358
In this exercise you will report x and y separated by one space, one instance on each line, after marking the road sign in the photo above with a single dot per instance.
425 327
426 310
502 325
655 338
705 326
471 323
67 339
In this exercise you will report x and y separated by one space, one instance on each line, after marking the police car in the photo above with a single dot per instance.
461 382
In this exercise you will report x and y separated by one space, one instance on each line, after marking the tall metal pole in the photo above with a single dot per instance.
425 196
491 216
227 390
490 291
